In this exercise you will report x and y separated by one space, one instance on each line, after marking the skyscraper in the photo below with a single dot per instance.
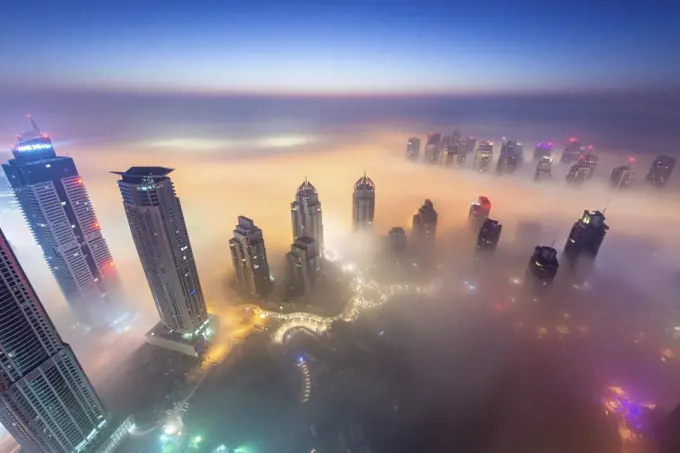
432 148
511 156
543 169
303 265
542 150
46 401
425 225
489 235
621 177
661 171
469 147
413 148
58 210
483 156
586 235
397 241
306 214
160 234
479 212
249 256
571 152
543 265
363 203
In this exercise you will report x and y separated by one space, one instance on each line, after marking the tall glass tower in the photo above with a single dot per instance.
363 203
46 401
249 256
160 234
306 214
59 212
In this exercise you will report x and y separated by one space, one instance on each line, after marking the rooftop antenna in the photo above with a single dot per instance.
606 206
35 126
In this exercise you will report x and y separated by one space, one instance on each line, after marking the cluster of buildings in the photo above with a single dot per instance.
304 261
46 401
452 150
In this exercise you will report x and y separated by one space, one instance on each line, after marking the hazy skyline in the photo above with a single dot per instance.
349 47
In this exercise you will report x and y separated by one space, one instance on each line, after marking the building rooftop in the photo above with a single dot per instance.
138 174
306 189
364 183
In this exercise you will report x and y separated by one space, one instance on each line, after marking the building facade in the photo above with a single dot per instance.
363 203
160 235
58 210
661 171
47 402
483 156
621 177
572 152
249 256
587 235
543 265
303 265
306 214
413 148
489 235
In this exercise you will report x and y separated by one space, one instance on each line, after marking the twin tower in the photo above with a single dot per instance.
249 254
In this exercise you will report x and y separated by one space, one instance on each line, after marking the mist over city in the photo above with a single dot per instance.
340 228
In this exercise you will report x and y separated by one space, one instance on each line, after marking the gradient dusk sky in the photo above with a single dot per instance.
339 47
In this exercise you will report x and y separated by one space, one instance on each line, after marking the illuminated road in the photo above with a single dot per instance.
367 295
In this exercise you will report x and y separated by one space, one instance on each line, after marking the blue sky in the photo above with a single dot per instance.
345 47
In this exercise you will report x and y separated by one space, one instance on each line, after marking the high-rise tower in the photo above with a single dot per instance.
511 156
413 148
249 256
425 225
58 210
571 152
363 202
302 265
306 214
621 177
46 401
160 234
661 171
483 156
586 235
543 265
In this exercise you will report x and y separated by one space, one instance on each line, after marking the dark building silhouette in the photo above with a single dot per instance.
413 148
397 241
542 150
586 235
489 235
571 152
621 177
425 225
661 171
511 156
249 257
543 265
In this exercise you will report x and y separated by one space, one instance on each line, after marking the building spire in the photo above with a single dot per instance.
35 126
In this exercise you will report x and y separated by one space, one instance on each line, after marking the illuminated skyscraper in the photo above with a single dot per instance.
479 212
621 177
489 235
46 401
661 171
543 169
413 148
483 156
425 225
303 265
249 256
571 152
432 148
586 235
363 203
582 169
306 214
543 265
58 210
511 156
160 234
